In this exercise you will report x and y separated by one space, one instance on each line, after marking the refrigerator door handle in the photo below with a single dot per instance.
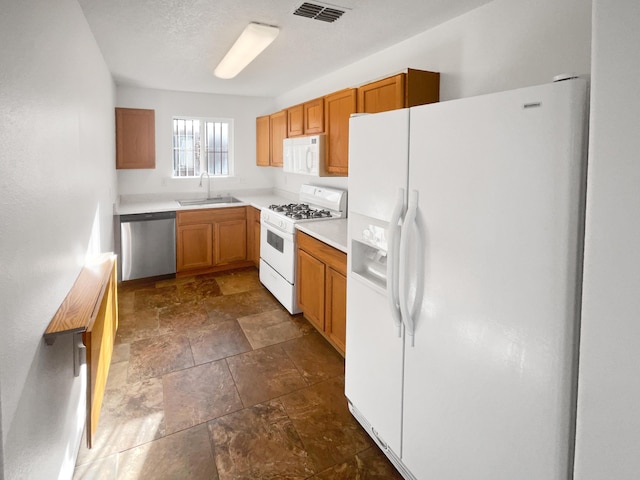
409 313
393 253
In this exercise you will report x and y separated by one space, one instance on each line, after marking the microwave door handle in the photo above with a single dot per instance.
309 159
393 250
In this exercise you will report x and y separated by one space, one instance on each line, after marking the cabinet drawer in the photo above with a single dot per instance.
210 215
323 252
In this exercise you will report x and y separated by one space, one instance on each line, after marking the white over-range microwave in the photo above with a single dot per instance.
304 155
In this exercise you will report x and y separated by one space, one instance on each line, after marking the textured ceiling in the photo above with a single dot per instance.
176 44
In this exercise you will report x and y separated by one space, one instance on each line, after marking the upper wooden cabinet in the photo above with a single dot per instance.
330 115
278 129
295 121
263 141
338 107
135 138
415 87
314 116
306 118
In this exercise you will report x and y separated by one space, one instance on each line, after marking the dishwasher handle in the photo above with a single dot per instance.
142 217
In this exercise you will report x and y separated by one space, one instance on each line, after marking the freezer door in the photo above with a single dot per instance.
378 163
373 372
489 382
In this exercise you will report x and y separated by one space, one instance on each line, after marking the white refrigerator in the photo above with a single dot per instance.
465 253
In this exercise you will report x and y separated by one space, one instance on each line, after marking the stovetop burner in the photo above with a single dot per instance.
300 211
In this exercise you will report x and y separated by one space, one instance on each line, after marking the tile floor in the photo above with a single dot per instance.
212 379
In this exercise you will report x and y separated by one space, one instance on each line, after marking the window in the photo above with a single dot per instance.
202 145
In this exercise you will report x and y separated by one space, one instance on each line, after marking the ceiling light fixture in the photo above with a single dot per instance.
251 42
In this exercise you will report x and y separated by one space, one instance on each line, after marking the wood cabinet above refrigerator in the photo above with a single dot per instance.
407 89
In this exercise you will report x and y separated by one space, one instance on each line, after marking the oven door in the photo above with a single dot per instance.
278 249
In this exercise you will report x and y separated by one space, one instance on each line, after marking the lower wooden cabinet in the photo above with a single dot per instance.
230 241
253 235
311 279
335 318
322 288
194 246
211 239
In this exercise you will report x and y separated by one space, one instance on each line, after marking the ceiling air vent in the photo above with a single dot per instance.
318 12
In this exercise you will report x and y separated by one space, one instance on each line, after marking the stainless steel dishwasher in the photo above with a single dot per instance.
148 244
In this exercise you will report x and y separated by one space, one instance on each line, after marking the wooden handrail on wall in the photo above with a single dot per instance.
90 310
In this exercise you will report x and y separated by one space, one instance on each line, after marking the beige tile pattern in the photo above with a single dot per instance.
155 356
264 374
131 415
240 281
182 318
218 340
136 325
268 328
212 378
196 395
370 464
315 358
321 417
185 455
259 442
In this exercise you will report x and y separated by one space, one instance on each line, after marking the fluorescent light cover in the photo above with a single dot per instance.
253 40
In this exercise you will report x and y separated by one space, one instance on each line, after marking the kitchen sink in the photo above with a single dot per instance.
209 201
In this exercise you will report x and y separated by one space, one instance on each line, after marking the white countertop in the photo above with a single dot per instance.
132 204
331 232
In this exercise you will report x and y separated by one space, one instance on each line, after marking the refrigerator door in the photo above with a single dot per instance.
489 383
378 164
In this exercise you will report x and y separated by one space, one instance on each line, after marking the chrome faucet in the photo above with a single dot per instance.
208 183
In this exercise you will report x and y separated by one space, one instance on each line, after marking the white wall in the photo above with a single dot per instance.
608 427
502 45
57 188
166 104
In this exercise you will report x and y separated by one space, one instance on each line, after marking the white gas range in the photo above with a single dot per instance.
278 237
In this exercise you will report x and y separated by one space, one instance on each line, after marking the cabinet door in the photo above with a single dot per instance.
278 125
263 141
256 242
336 308
253 235
295 124
230 241
338 107
194 245
383 95
314 116
310 279
135 138
421 87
